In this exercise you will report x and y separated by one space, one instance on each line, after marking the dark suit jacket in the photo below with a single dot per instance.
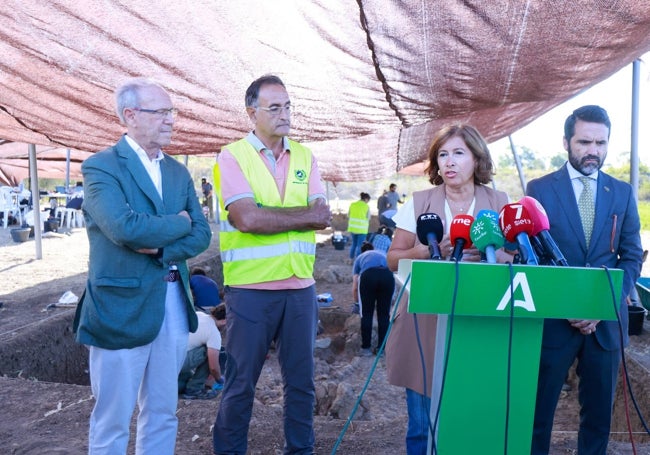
615 242
124 302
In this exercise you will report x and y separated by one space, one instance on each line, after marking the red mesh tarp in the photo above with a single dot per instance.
52 162
371 81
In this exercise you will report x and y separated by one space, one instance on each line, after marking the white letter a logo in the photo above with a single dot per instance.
520 280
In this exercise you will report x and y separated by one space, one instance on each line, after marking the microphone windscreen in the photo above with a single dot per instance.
460 229
537 214
490 214
514 219
429 223
486 232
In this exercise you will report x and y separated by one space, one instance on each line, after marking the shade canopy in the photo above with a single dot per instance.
371 80
52 162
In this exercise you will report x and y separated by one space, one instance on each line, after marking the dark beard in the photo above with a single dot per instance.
580 166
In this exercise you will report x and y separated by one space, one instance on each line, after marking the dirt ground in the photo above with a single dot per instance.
46 400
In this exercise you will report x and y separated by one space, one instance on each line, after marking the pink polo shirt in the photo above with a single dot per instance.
234 187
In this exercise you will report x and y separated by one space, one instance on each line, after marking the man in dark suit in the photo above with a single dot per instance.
143 222
595 222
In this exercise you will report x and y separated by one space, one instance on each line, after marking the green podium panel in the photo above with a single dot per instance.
540 291
490 380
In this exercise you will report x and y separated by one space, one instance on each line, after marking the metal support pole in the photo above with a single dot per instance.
36 199
634 139
520 171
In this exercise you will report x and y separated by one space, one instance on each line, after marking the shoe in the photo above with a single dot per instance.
356 308
365 352
200 394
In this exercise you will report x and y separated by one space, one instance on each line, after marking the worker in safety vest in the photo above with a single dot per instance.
274 202
358 223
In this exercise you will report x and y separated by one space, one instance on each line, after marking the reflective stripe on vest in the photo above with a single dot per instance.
261 252
256 258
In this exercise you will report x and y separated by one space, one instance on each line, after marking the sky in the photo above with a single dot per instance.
544 135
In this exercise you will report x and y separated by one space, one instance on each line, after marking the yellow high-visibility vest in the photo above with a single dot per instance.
257 258
358 221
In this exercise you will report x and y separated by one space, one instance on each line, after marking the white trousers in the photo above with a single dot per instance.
148 374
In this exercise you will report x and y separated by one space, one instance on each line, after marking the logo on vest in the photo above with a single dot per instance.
519 282
300 175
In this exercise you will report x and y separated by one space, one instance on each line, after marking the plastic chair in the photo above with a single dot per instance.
69 217
59 214
9 206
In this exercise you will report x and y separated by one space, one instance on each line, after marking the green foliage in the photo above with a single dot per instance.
644 214
623 173
527 158
558 161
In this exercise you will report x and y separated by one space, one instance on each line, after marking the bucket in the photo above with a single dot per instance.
20 235
339 241
51 225
339 244
636 315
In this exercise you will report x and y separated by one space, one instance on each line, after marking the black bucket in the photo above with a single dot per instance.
51 225
636 315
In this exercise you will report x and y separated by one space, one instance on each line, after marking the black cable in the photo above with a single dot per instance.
424 376
447 351
620 333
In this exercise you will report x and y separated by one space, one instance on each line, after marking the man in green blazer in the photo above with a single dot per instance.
143 221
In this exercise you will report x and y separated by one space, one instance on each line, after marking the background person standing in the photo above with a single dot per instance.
274 202
206 189
358 223
143 222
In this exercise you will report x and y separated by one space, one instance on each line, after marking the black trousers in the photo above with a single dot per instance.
376 287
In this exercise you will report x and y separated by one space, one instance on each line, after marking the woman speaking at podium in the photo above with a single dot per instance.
459 169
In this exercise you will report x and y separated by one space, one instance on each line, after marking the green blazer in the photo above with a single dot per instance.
124 302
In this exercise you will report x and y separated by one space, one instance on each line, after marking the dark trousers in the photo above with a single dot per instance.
195 371
597 370
376 287
255 319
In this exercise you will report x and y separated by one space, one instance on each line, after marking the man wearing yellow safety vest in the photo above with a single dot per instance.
358 222
274 201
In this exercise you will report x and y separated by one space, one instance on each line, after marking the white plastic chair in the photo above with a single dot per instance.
9 206
69 217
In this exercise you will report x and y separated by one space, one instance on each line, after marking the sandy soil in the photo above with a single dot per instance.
42 414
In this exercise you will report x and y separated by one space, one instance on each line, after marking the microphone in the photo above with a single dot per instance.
459 235
486 236
544 258
541 230
429 230
490 214
517 225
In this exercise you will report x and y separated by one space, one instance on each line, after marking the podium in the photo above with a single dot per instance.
493 333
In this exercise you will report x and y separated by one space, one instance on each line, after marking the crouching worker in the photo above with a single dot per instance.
204 345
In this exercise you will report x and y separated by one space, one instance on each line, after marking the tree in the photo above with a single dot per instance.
527 158
558 161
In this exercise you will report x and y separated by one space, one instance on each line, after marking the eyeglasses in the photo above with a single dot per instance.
275 110
160 113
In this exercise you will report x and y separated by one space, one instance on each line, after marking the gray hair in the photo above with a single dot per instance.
128 94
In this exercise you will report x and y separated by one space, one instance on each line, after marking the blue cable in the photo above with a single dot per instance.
372 369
